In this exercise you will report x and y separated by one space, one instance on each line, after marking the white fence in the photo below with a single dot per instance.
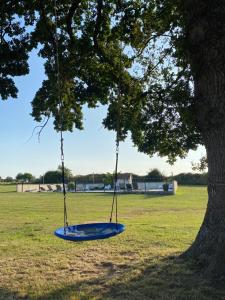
156 186
34 188
82 187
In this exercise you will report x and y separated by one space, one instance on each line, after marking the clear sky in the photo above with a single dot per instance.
87 151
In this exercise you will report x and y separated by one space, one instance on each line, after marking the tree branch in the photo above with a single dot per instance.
97 27
51 32
42 126
140 52
69 19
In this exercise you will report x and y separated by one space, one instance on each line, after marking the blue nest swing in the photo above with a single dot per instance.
88 232
94 231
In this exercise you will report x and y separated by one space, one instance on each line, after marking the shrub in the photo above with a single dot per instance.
165 187
71 186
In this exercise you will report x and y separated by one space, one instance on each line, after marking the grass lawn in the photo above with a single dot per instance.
139 264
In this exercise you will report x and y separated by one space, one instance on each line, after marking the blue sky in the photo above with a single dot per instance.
87 151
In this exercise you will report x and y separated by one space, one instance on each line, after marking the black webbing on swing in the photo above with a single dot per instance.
61 116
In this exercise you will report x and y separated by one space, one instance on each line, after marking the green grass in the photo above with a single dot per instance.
138 264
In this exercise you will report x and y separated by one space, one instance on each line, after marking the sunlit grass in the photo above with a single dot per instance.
134 265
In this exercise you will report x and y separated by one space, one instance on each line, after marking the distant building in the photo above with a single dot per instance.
125 181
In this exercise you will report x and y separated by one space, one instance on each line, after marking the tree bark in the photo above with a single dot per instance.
205 43
209 245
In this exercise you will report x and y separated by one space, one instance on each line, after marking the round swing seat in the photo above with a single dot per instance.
89 232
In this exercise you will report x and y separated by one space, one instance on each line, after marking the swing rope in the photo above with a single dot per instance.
61 116
63 181
115 191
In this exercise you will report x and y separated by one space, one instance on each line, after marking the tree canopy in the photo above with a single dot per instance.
155 175
82 37
131 50
55 176
14 45
27 177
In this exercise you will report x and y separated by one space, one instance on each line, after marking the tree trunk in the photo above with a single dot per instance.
209 245
205 43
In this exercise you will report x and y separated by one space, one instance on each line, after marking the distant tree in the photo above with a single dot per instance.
71 186
155 175
68 172
56 176
19 177
27 177
9 179
191 179
108 178
53 177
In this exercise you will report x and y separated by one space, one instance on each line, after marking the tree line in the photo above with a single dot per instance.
55 176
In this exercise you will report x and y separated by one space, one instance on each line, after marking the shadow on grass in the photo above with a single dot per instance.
6 294
150 196
147 195
170 278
